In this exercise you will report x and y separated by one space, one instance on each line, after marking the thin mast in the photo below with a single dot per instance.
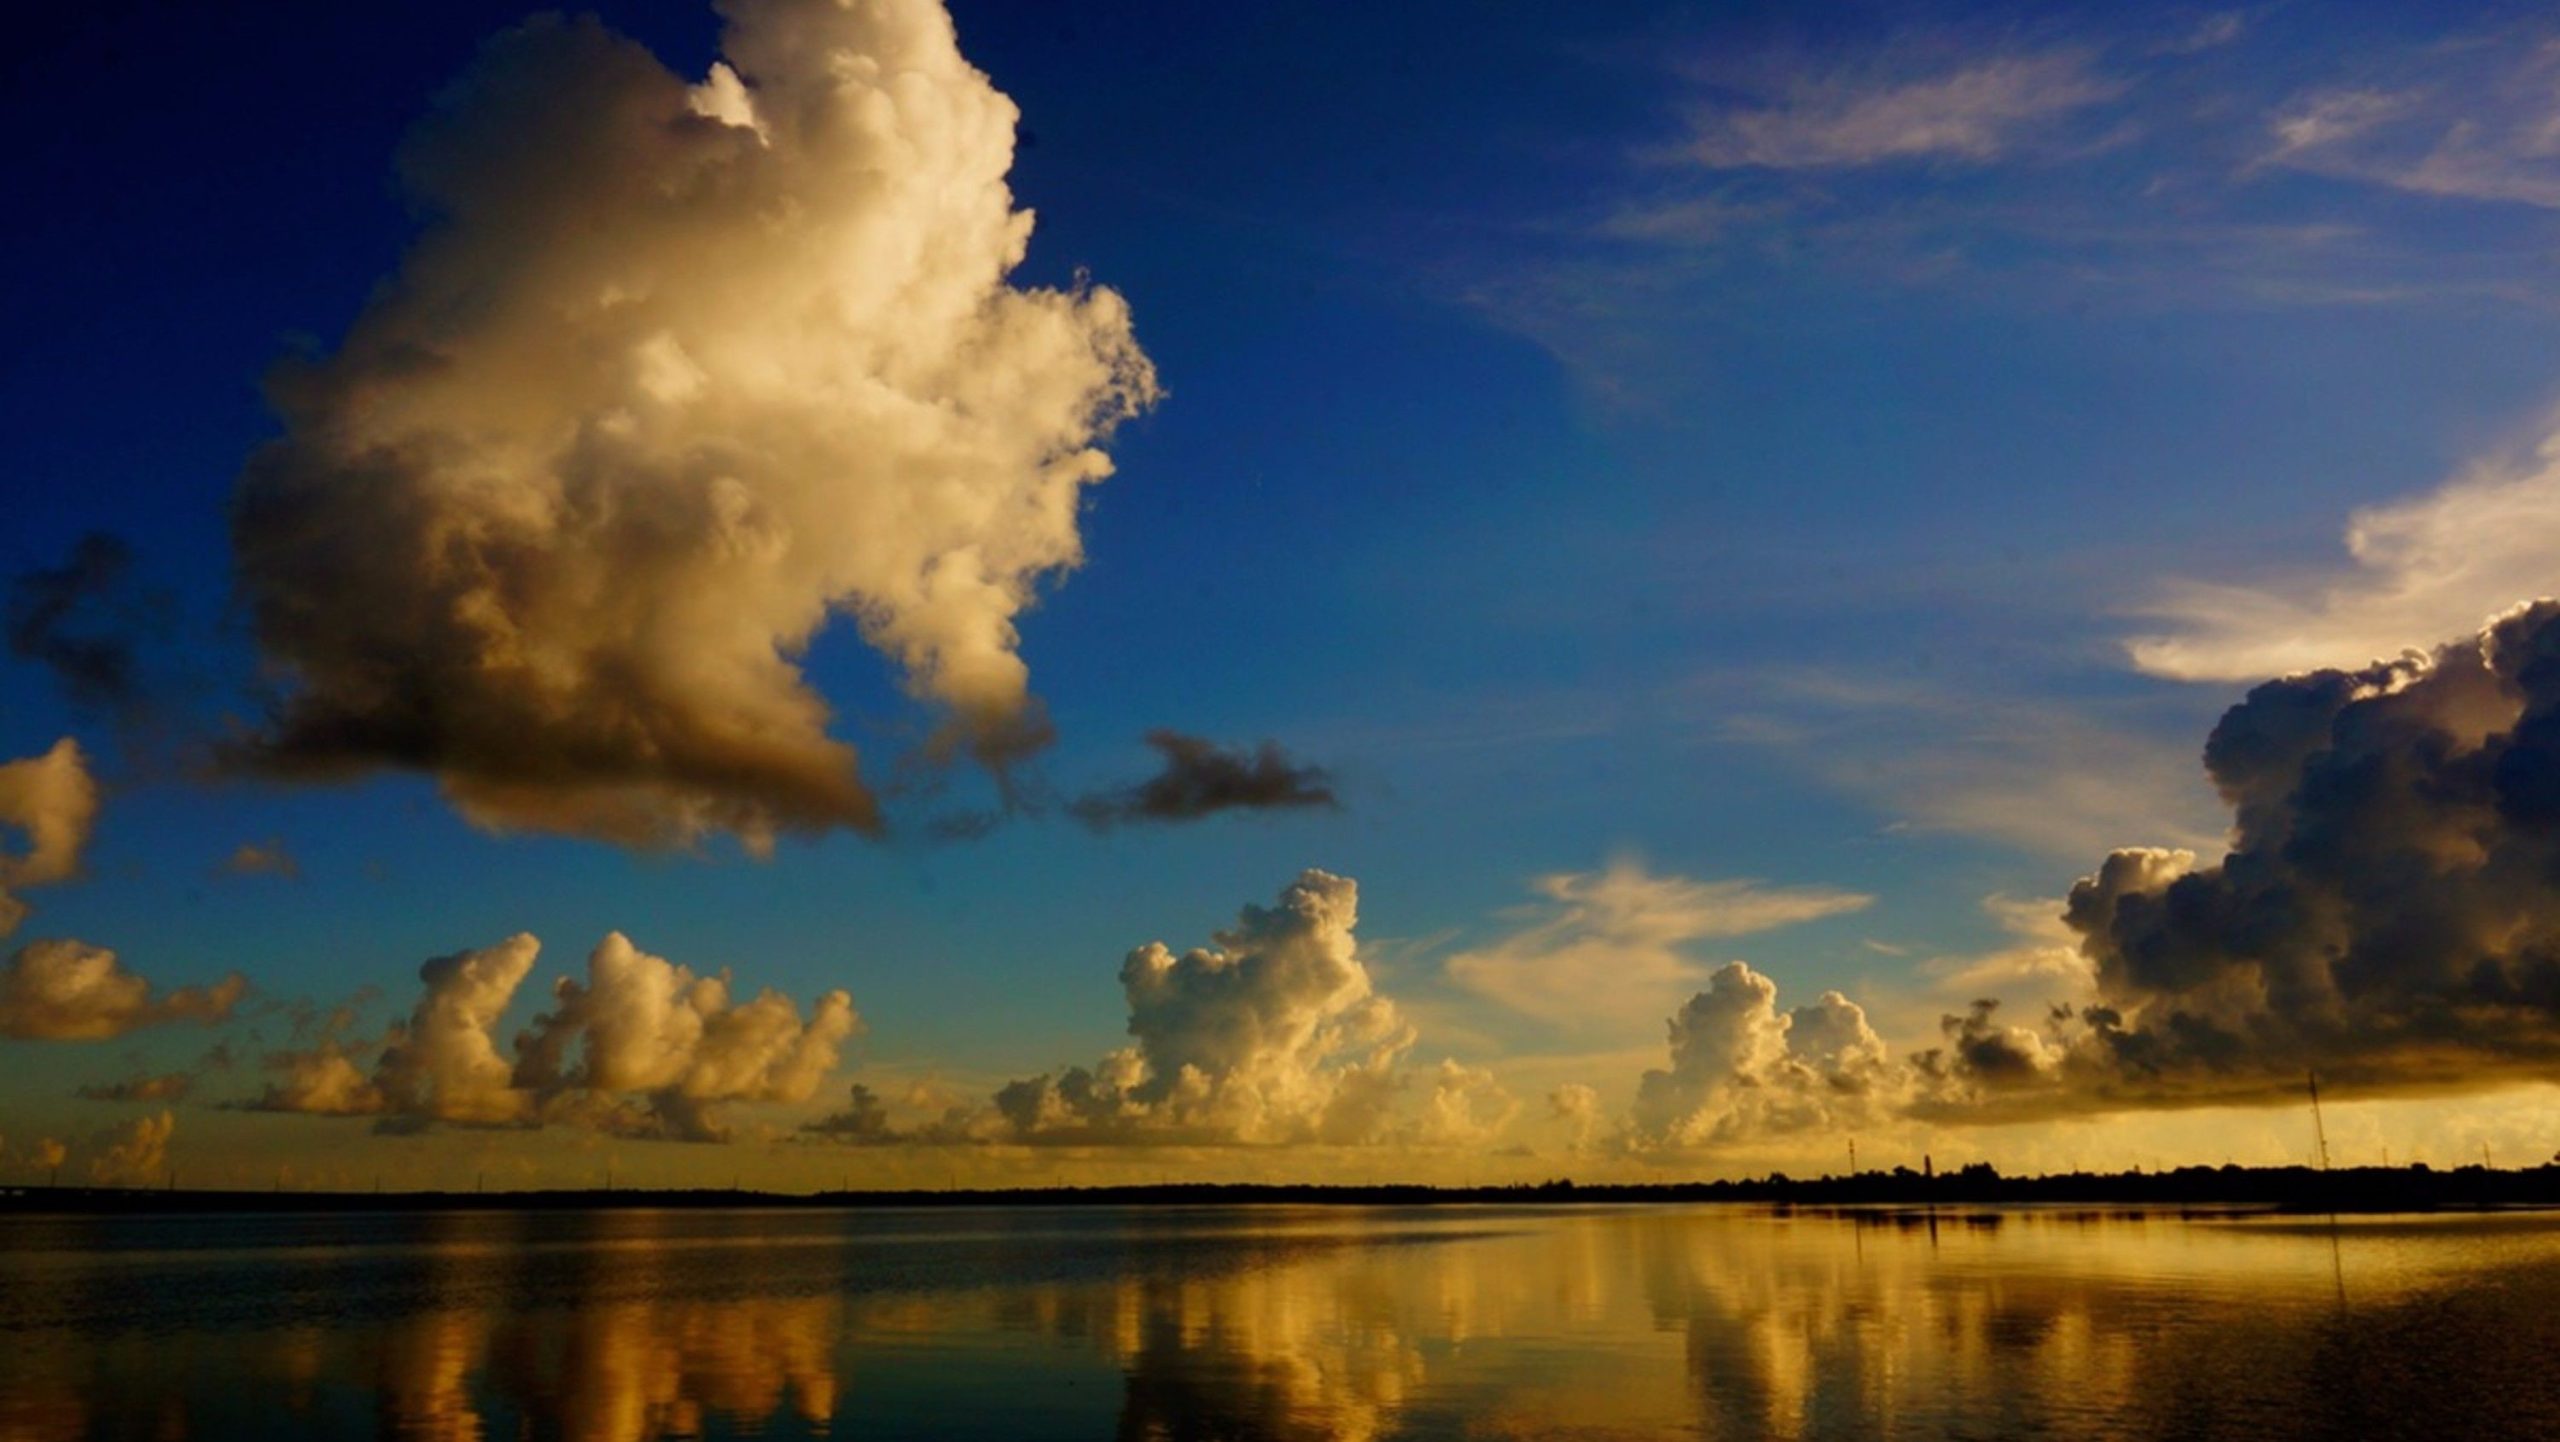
2319 1129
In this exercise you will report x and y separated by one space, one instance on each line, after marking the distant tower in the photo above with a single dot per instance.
2319 1129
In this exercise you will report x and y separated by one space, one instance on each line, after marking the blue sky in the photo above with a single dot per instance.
1740 442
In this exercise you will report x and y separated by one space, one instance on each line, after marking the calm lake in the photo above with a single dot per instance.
1277 1323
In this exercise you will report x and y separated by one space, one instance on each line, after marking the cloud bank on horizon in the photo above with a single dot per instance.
2387 916
1275 1035
678 375
642 1048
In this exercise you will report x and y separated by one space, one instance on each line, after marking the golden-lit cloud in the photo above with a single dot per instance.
1740 1067
677 376
136 1153
2419 570
1273 1034
2385 916
643 1026
643 1047
1610 947
52 802
62 990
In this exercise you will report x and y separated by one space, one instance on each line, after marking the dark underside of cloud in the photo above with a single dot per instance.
81 621
2387 917
2388 914
677 376
1201 778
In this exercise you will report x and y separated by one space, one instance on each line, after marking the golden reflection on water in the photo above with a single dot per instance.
1302 1325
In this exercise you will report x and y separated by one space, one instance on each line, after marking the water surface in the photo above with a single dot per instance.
1277 1323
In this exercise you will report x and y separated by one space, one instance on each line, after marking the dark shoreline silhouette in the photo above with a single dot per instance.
2279 1189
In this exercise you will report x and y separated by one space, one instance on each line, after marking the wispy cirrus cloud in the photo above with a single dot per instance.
2437 564
2475 118
2039 775
2085 163
1974 111
1612 947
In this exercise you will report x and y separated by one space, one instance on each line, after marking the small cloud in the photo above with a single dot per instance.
1201 778
863 1122
79 621
2042 951
2210 33
52 801
2314 122
263 858
171 1087
136 1153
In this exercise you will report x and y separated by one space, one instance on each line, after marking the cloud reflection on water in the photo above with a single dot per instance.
1302 1325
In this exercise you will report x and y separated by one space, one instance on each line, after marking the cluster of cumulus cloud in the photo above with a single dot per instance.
2387 916
679 374
642 1047
1273 1035
56 988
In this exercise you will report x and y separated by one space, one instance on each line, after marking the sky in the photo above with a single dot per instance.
892 595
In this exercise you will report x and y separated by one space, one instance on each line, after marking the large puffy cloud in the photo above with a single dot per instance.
62 990
1611 945
1740 1067
644 1026
2434 566
1273 1035
642 1047
51 801
678 374
444 1065
2389 911
2387 915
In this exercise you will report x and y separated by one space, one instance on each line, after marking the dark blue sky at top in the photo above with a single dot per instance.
1534 535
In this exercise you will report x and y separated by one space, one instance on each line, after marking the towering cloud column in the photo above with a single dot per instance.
677 375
